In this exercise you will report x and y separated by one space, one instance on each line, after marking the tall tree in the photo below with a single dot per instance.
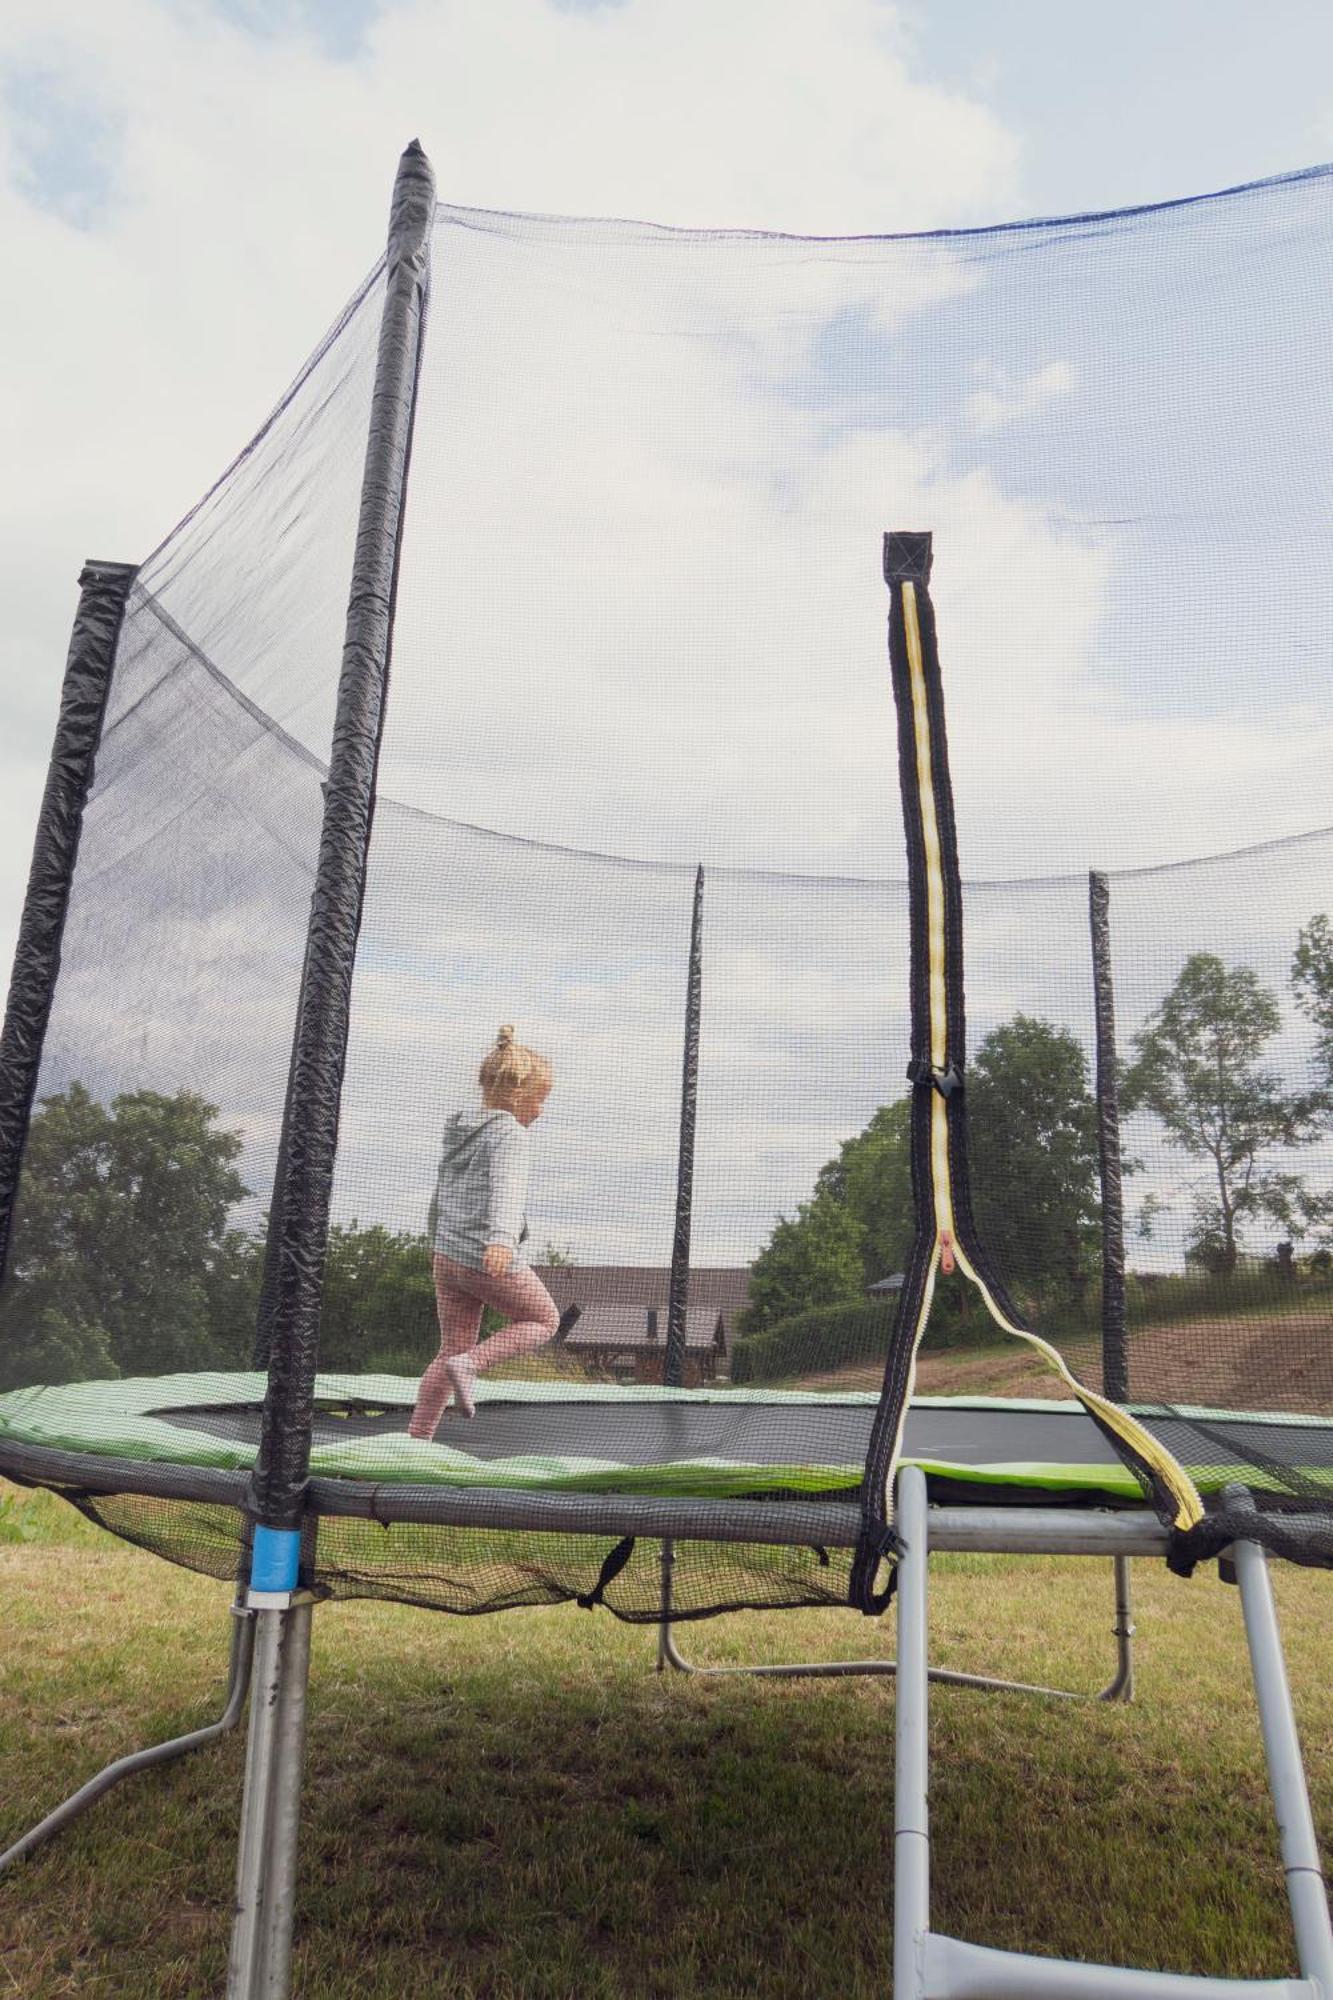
1032 1131
124 1261
872 1179
1198 1065
1034 1144
1312 981
378 1303
816 1258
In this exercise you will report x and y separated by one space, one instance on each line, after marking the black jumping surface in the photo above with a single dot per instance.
664 1433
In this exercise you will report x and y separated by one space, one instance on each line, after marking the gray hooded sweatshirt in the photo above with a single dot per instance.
480 1187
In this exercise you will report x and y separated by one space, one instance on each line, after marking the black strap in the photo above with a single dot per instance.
569 1319
611 1569
878 1545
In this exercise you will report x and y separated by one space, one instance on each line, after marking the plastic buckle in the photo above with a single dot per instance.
946 1081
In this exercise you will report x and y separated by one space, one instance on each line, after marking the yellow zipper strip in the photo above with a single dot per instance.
1177 1482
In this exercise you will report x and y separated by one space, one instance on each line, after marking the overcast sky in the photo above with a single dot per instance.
189 191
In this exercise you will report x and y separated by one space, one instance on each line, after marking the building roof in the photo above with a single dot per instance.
721 1288
629 1326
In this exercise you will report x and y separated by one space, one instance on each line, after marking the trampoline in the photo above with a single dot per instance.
599 1438
831 1214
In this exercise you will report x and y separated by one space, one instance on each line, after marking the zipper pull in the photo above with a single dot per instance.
946 1253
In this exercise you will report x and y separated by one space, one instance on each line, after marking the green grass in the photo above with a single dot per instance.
518 1806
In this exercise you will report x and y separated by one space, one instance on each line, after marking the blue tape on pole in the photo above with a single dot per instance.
276 1560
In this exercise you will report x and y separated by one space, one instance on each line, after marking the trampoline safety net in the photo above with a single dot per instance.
637 799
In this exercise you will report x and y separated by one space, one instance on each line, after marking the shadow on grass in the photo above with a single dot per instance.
504 1833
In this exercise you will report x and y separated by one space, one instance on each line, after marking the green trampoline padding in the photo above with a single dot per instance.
720 1443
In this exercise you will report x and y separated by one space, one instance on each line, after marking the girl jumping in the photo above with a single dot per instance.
477 1232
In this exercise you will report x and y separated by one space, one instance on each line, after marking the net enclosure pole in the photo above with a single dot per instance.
300 1207
678 1295
262 1929
259 1357
1115 1342
678 1290
103 590
911 1780
1115 1353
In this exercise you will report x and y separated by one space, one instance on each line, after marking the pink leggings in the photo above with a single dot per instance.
460 1295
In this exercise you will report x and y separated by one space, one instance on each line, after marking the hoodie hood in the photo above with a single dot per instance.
466 1130
480 1186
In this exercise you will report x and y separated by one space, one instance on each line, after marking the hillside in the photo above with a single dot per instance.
1268 1363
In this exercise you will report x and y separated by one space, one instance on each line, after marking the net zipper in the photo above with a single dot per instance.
948 1252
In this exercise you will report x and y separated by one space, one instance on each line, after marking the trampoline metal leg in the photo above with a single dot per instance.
261 1946
238 1685
911 1821
1307 1890
667 1656
930 1966
1119 1688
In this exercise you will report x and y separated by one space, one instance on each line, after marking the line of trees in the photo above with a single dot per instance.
1032 1123
127 1258
1200 1065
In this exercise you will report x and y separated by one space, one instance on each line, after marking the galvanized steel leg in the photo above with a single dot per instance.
956 1971
667 1656
911 1823
261 1946
930 1966
1307 1890
238 1684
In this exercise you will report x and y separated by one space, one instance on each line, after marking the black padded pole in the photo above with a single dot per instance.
300 1206
268 1283
1115 1349
103 589
678 1296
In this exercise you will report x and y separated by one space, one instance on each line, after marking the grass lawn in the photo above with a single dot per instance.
519 1806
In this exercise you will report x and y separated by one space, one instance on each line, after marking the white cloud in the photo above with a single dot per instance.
238 194
1001 400
641 606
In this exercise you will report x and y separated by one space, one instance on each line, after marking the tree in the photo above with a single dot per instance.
1032 1136
378 1308
123 1260
1198 1067
1312 981
1033 1125
815 1259
872 1179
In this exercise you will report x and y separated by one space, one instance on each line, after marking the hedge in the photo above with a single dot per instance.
825 1337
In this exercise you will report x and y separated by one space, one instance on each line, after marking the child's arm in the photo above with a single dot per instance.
509 1190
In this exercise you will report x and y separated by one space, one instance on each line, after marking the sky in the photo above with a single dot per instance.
189 193
190 189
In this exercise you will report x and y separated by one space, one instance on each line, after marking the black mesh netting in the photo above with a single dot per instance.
639 628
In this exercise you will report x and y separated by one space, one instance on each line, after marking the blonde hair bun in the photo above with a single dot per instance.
510 1070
